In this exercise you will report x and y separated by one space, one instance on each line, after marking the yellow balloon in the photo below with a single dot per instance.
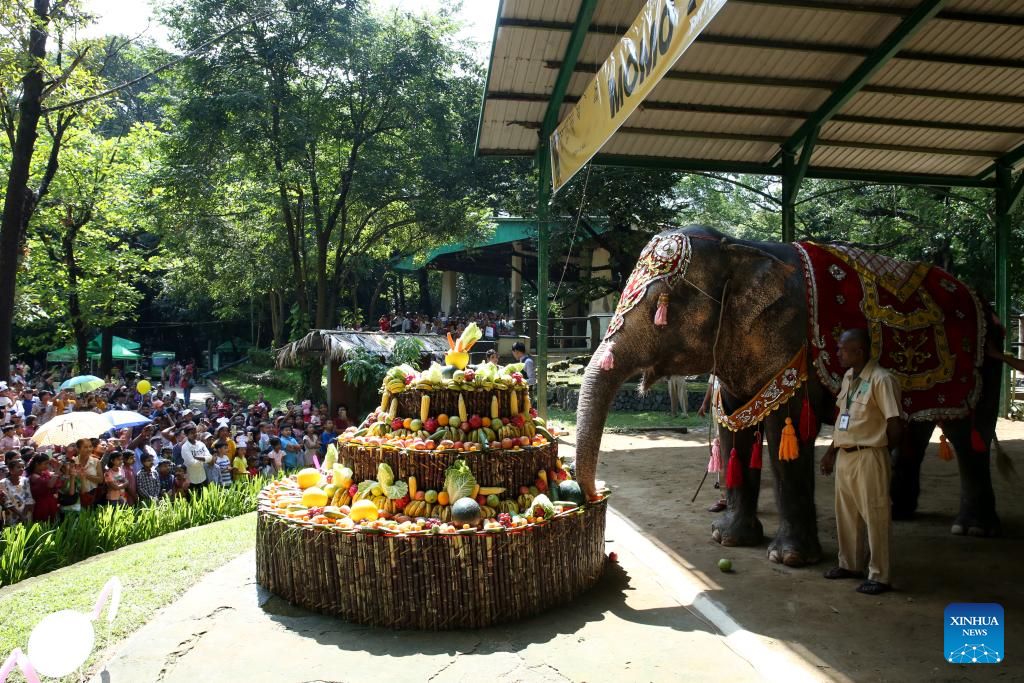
143 386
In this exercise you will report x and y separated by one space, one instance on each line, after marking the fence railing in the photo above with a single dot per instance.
582 333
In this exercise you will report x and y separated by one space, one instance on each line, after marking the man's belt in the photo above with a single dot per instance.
851 449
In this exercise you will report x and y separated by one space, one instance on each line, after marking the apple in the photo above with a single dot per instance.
420 495
504 420
457 445
541 485
430 445
524 441
481 499
476 422
465 426
506 443
431 425
397 423
524 490
494 445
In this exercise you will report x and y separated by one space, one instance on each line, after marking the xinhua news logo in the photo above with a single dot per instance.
974 633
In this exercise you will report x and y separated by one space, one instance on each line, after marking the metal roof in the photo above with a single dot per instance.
943 108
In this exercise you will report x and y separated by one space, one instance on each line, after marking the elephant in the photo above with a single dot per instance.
739 309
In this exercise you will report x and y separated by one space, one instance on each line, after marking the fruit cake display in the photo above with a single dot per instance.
448 507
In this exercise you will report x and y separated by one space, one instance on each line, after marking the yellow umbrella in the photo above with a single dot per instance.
66 429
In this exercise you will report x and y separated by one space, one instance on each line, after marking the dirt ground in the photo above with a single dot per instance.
848 636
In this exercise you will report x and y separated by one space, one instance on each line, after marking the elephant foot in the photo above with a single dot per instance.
735 530
794 551
965 525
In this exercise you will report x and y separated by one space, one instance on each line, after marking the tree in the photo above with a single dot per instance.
361 125
90 242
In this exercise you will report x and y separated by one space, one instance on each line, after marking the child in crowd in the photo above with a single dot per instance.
252 462
165 476
114 478
276 454
147 483
180 489
239 465
131 493
223 463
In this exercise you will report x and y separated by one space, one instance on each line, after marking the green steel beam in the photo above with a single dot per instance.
543 162
1010 159
788 45
572 54
1016 192
864 8
816 84
893 43
1004 206
762 168
487 79
769 112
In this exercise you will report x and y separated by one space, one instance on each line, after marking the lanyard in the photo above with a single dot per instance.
851 393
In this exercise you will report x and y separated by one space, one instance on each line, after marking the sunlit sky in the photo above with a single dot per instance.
135 18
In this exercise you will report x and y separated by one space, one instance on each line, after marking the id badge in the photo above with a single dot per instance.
844 422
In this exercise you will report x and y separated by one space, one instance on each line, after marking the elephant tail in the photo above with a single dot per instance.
1004 465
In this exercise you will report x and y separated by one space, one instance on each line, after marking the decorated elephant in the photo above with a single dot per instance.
765 318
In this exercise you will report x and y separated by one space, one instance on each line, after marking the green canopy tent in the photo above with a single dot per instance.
96 345
68 354
117 352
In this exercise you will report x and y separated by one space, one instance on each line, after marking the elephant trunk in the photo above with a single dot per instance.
596 395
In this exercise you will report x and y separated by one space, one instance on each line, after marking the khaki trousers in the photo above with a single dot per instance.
862 511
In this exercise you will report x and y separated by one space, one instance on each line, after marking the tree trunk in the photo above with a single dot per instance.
401 293
371 310
18 199
276 322
107 352
426 306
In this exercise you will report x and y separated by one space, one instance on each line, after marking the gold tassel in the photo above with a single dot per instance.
789 449
945 450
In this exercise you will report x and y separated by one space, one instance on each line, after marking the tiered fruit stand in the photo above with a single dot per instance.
471 522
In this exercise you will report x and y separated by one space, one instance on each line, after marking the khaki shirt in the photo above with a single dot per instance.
875 399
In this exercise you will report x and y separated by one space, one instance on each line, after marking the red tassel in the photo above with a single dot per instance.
977 443
808 425
661 315
755 454
733 473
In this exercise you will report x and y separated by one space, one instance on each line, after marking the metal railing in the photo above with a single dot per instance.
581 333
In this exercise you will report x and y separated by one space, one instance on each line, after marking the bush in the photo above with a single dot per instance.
261 358
30 550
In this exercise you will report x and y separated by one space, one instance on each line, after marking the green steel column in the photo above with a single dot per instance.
790 187
543 246
1004 202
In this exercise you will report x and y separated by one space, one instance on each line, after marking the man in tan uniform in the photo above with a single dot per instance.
868 429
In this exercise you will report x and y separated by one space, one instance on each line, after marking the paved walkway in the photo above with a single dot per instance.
648 620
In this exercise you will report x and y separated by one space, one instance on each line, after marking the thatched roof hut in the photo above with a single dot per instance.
332 346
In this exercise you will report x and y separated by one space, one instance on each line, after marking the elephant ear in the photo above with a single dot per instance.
758 281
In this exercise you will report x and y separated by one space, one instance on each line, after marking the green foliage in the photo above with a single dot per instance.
153 573
365 369
30 550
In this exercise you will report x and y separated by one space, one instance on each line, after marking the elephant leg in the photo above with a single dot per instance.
796 541
977 516
906 470
739 524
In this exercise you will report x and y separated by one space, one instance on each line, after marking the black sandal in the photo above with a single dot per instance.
718 506
873 588
843 573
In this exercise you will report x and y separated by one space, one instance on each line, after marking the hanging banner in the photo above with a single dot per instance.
653 44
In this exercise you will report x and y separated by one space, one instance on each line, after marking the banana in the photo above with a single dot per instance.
385 398
526 402
491 436
412 487
345 499
514 403
529 429
393 411
491 490
545 433
476 491
494 408
424 408
487 512
463 414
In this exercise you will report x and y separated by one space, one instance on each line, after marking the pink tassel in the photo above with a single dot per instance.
607 359
661 315
715 462
755 454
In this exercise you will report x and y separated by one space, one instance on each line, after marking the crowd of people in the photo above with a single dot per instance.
492 324
181 450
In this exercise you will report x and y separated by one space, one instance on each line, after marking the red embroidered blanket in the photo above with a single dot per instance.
927 328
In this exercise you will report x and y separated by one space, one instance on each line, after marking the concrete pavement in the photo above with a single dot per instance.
648 620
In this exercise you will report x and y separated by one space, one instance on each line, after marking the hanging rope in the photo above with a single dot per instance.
575 227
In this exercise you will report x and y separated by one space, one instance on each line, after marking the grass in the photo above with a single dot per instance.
34 549
249 380
153 574
627 421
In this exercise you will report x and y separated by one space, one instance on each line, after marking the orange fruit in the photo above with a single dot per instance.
442 420
407 423
486 421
